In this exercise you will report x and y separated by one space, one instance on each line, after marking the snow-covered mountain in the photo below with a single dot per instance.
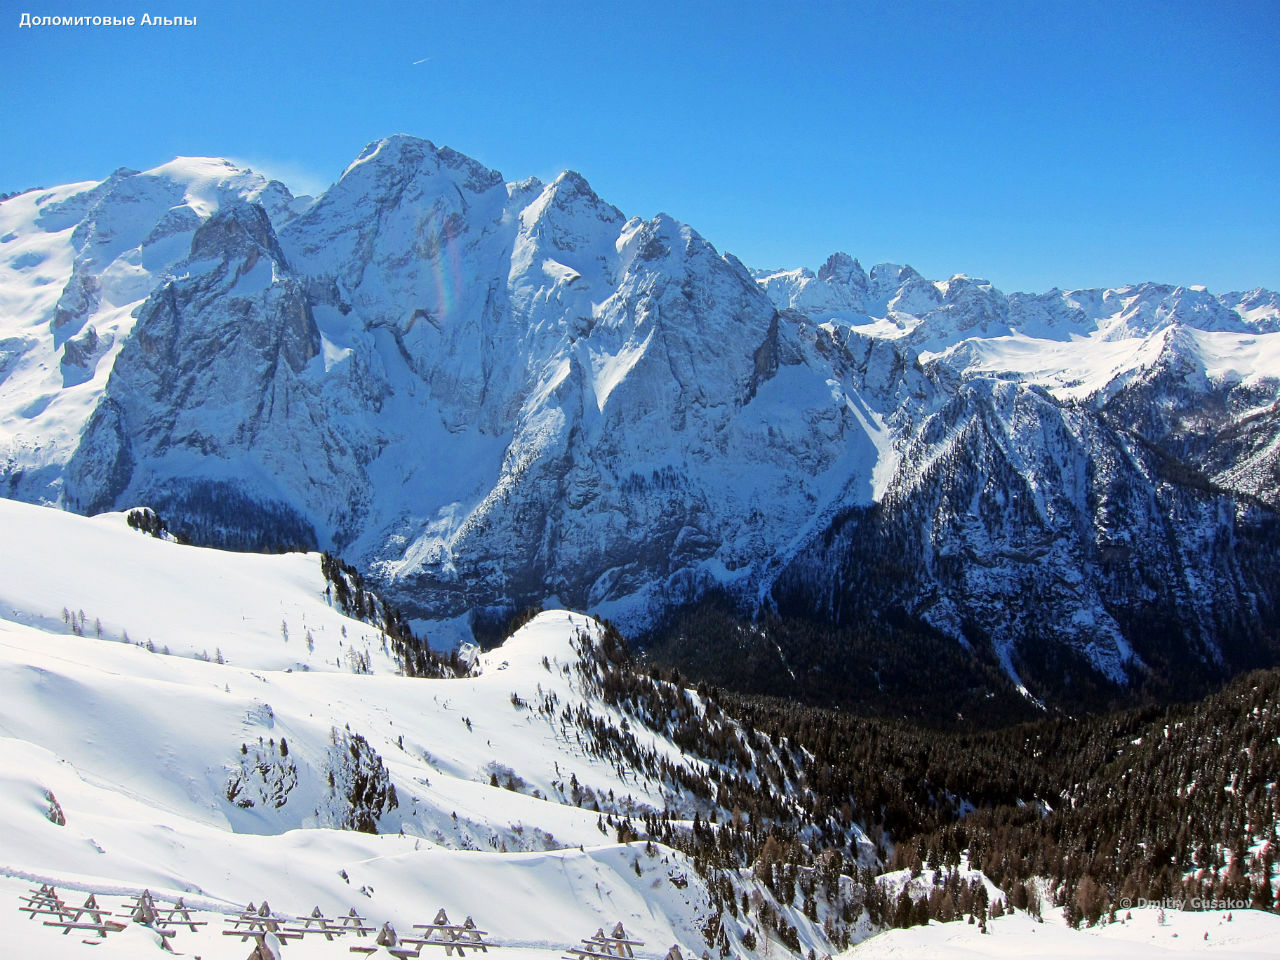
1097 467
490 394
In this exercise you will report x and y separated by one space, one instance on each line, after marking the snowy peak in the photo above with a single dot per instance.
915 294
843 269
233 231
570 190
157 202
955 310
553 634
1196 307
76 267
403 156
839 289
566 235
886 278
1258 307
402 196
1148 308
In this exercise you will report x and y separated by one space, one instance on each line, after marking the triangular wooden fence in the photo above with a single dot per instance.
316 923
160 916
142 909
400 947
616 945
179 915
354 923
74 918
255 924
454 937
44 902
93 916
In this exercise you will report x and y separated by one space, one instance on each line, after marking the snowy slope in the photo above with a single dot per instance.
229 782
1149 934
125 585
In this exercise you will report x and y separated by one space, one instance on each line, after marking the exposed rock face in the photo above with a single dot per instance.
491 394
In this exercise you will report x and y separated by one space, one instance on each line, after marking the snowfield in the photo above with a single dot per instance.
138 750
1238 935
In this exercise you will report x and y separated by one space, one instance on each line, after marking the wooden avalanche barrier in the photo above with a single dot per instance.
615 946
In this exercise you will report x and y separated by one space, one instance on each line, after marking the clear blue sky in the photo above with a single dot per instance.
1033 143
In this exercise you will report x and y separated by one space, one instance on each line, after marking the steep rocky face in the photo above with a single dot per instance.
487 393
1094 479
77 264
492 394
1057 538
214 374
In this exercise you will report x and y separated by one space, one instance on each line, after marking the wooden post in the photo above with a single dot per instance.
353 921
144 909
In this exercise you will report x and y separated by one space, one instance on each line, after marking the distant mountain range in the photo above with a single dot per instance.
488 395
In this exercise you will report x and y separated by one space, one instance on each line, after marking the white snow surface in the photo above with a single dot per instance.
1246 935
76 262
138 749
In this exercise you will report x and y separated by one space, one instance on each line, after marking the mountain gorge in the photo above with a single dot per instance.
490 395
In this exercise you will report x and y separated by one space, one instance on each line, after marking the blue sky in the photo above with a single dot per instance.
1033 143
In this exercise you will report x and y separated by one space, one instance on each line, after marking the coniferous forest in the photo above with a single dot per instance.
1173 803
1158 803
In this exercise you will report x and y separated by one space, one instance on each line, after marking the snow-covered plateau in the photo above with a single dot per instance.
488 395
